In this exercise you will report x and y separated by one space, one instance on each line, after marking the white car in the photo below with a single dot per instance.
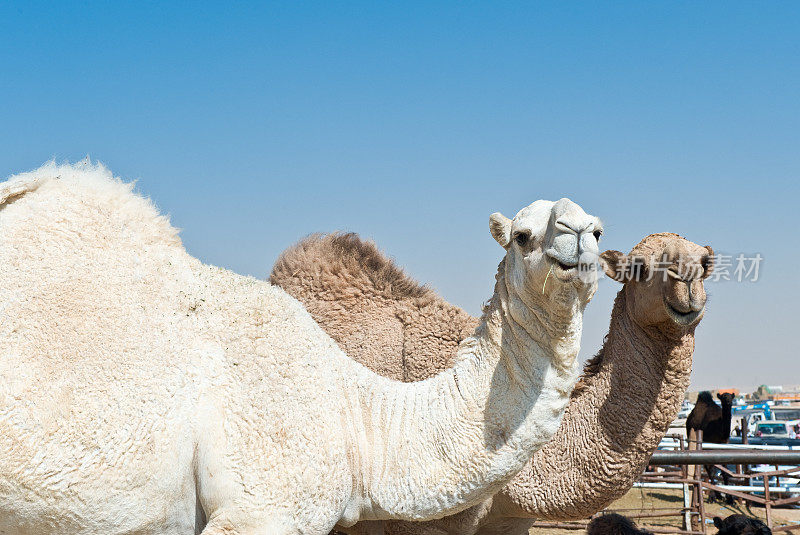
684 412
776 429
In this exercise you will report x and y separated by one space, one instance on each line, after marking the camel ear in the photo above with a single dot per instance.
614 265
708 262
500 227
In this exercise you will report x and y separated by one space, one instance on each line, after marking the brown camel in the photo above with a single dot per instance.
708 417
715 423
385 320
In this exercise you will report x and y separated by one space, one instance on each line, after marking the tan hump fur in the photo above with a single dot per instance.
347 284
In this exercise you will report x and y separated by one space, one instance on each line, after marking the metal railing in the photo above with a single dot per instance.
681 468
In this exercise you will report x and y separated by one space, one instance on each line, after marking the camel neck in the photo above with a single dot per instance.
627 397
726 416
440 445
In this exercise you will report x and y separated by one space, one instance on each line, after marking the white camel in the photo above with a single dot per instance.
144 392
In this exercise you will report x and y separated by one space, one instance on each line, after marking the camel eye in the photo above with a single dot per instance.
522 238
597 234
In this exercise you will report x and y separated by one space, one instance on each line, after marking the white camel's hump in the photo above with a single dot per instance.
91 181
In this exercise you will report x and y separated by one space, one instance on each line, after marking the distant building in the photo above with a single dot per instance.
777 393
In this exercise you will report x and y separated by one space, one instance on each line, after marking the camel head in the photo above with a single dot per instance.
726 399
663 277
551 252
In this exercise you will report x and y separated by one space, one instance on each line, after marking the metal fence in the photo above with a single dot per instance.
680 465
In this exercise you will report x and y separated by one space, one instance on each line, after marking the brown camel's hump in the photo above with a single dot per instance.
379 315
345 264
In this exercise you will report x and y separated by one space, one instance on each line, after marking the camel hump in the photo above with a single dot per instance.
705 397
81 185
343 264
379 315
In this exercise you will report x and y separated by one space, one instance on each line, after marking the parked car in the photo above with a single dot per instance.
777 429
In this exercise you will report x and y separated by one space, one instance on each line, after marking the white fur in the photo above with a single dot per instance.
142 391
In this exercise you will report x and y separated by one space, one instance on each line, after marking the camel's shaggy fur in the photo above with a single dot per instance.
626 398
144 392
371 307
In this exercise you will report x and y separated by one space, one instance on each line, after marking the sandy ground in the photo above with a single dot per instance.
645 500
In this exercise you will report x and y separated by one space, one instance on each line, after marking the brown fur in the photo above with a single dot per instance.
603 443
654 244
379 315
591 367
345 255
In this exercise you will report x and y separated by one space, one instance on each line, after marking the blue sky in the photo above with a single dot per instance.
255 124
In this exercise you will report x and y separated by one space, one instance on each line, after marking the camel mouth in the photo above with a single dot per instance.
567 270
684 318
564 267
563 270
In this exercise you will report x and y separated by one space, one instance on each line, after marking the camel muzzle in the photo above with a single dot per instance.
570 250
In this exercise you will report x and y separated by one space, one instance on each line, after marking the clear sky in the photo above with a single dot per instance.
256 124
